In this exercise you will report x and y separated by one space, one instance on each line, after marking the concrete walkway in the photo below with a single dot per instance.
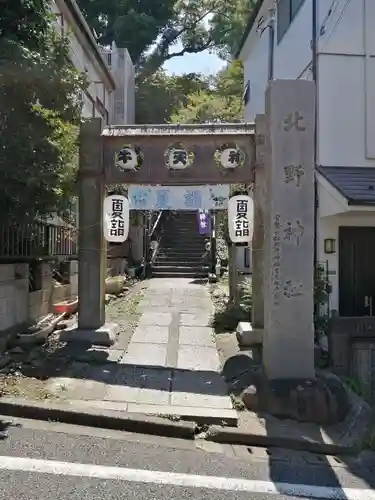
170 366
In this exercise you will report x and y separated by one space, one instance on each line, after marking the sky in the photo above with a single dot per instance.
204 62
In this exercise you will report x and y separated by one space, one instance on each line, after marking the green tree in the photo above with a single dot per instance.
156 31
161 95
39 113
134 24
221 101
229 25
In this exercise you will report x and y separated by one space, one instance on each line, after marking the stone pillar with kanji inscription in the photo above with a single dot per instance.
288 338
259 197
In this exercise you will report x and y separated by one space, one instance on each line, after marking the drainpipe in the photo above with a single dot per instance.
271 42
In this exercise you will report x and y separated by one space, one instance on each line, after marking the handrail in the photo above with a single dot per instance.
156 224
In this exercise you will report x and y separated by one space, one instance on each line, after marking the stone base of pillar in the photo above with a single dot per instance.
323 400
248 336
104 336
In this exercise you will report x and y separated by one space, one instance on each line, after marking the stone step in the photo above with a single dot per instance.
180 269
174 274
191 238
183 248
180 255
177 263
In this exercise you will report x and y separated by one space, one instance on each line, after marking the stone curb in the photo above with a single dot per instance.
122 421
227 435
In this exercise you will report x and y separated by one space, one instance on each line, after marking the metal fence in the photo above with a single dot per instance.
37 240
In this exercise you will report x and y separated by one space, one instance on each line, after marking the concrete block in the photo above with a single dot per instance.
60 293
7 272
73 267
196 413
247 336
7 316
22 285
45 269
151 334
106 335
196 335
22 270
74 286
198 358
20 305
200 319
145 354
201 400
152 318
136 395
35 298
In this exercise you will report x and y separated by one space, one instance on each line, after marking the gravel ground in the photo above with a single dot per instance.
25 369
124 310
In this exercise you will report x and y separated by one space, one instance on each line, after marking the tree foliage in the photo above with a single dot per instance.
161 95
156 31
220 102
229 25
39 113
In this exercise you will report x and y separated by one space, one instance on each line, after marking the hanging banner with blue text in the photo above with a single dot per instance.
178 197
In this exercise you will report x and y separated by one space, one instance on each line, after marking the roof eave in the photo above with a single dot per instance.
360 203
82 24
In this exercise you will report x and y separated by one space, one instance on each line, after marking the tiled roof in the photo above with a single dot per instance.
357 184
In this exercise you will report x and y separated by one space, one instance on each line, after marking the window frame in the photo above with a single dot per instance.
289 5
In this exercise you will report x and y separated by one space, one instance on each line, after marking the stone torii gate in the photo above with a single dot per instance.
277 155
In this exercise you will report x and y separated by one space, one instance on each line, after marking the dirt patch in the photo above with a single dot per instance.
25 370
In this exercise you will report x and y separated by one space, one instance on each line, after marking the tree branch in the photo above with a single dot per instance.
158 59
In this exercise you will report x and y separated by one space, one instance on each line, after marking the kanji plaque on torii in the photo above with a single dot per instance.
179 154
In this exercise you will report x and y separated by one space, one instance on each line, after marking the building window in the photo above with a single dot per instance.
246 93
286 12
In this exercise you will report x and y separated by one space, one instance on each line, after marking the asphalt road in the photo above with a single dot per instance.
47 460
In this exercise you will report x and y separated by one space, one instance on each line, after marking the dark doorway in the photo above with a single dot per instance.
357 271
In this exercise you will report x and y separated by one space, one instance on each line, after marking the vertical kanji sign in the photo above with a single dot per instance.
116 218
203 217
240 219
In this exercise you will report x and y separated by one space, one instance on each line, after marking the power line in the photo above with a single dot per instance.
337 23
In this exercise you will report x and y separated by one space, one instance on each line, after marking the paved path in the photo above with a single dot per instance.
170 365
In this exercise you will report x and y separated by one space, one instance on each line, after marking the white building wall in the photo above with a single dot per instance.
346 96
346 72
85 61
123 98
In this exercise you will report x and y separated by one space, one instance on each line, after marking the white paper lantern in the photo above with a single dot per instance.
240 219
116 218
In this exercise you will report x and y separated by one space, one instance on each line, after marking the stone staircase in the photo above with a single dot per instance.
181 249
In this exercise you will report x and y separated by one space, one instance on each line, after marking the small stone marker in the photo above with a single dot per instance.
247 336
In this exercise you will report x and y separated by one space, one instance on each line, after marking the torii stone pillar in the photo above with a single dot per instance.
288 338
92 327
